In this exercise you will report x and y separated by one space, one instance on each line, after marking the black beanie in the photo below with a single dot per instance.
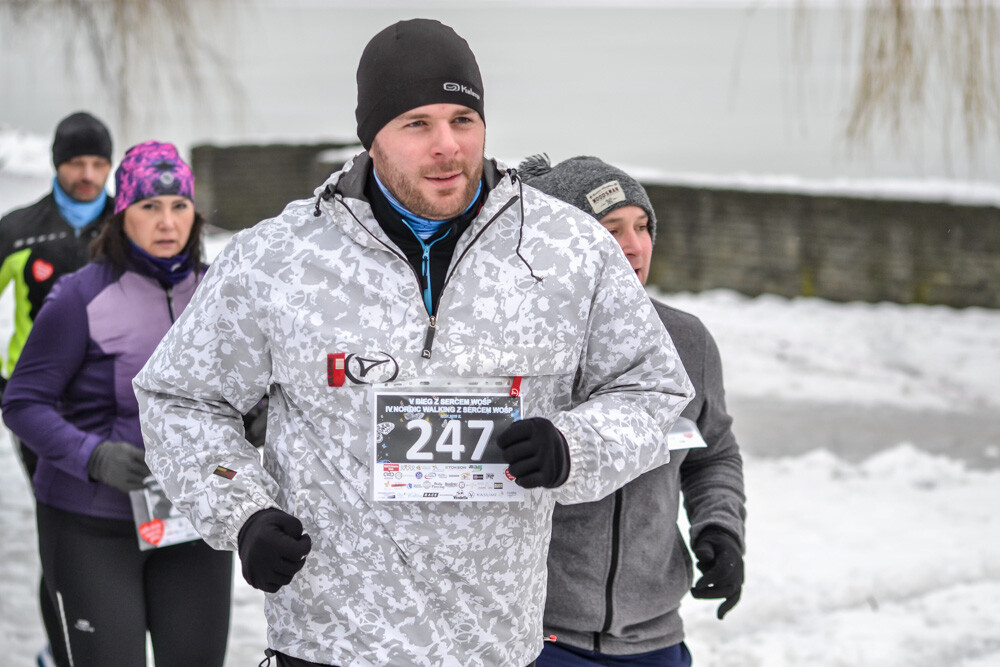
589 183
80 134
410 64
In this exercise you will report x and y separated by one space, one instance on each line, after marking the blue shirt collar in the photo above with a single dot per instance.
422 227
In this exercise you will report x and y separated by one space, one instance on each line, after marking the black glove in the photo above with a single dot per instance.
272 548
120 464
255 423
536 453
720 560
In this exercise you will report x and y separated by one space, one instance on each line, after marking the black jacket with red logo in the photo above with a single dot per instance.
37 246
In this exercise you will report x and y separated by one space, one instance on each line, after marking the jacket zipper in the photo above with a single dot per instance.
425 269
612 569
432 319
429 337
432 323
170 303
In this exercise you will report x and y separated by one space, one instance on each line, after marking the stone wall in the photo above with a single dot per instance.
835 247
238 186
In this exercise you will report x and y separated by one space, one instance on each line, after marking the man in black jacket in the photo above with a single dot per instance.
43 241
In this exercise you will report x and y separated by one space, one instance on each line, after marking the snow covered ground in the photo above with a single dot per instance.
871 436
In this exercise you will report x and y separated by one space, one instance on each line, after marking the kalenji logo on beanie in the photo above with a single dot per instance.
459 88
411 64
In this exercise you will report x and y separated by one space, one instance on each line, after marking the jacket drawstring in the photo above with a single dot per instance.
520 229
326 195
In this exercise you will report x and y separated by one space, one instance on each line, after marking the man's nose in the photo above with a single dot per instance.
444 139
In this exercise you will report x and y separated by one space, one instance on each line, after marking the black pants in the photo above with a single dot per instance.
108 593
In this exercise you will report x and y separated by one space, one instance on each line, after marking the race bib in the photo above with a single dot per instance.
435 440
685 434
157 521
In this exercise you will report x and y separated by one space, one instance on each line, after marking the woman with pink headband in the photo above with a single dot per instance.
70 399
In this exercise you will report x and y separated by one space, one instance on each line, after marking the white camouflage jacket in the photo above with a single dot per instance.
533 290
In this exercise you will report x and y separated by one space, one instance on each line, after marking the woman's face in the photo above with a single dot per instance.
160 225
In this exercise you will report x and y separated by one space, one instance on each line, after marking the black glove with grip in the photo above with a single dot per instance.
536 453
720 560
272 548
120 464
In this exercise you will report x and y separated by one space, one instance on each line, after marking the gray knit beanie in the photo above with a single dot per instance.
588 183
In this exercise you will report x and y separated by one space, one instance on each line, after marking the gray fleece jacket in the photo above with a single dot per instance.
619 567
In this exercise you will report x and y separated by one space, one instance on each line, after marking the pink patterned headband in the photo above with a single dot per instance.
151 169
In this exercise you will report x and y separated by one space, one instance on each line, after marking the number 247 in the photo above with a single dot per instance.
450 440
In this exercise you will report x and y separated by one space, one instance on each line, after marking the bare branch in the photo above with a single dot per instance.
136 45
915 54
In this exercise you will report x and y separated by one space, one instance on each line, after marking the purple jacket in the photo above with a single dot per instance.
72 386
